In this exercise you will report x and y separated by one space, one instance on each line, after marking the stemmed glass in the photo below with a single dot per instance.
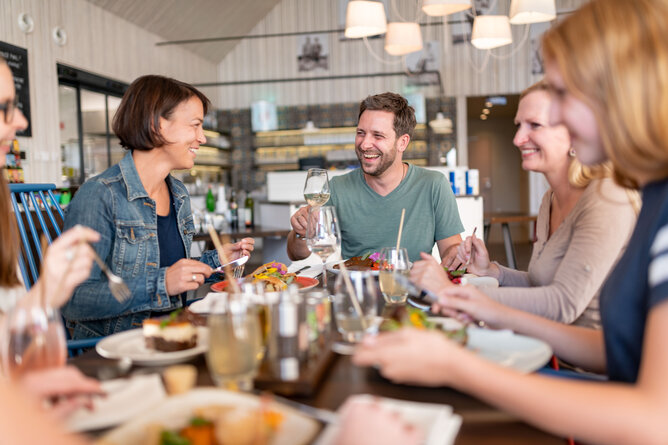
316 187
348 321
34 338
235 343
323 235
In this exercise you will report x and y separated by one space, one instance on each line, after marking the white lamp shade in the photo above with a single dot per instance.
403 38
532 11
491 31
365 18
444 7
441 124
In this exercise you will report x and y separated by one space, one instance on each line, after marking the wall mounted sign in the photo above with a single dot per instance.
17 59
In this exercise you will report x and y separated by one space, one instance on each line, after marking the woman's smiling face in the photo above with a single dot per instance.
16 122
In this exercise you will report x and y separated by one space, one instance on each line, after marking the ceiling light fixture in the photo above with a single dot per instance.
441 124
403 38
365 18
445 7
523 12
491 31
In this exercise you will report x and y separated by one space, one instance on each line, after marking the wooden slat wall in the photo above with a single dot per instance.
277 58
98 42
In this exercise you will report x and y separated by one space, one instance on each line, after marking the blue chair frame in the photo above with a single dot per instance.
39 199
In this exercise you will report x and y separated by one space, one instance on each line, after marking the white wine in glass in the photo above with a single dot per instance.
316 187
323 235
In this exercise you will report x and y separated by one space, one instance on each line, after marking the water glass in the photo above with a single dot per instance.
393 262
235 343
347 314
316 187
323 234
34 339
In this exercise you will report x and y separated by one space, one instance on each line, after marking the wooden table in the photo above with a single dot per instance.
482 424
505 219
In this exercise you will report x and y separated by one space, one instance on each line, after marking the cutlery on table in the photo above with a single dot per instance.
236 263
466 264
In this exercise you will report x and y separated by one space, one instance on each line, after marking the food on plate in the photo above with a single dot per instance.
274 275
455 275
368 261
175 332
404 316
221 425
179 378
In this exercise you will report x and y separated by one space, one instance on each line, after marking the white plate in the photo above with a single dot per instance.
437 422
525 354
131 344
174 413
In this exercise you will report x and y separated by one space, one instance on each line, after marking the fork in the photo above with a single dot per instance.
117 286
239 271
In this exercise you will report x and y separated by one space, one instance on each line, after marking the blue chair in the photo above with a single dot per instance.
38 212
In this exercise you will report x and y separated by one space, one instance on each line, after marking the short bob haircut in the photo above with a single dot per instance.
613 56
404 114
137 120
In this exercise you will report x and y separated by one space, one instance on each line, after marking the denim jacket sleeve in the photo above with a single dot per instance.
95 206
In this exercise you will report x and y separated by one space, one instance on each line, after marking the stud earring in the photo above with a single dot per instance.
571 152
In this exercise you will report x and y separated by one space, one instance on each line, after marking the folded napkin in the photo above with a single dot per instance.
438 423
126 399
206 304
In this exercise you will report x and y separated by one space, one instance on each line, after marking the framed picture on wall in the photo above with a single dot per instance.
313 52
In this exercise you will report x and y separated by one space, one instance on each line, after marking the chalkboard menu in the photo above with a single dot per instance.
17 59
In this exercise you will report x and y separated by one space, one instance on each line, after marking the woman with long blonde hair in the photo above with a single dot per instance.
607 69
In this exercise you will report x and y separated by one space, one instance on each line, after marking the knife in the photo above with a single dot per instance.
238 262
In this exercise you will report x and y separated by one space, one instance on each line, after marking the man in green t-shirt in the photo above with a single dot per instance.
369 200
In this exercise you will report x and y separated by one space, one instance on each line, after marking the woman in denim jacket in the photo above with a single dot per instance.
143 213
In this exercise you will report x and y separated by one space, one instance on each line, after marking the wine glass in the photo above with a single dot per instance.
323 236
393 261
316 187
350 325
34 339
235 343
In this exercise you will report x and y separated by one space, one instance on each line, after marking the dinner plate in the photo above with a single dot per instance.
131 344
522 353
303 282
175 412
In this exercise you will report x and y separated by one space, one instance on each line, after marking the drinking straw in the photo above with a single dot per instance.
401 227
224 260
351 293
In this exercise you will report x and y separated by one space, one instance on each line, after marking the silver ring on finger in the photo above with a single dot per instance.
194 277
69 254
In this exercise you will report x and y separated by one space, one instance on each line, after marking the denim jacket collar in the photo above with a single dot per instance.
135 189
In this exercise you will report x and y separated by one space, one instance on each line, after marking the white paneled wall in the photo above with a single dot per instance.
273 58
98 42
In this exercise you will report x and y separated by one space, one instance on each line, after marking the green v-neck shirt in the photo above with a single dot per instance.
370 222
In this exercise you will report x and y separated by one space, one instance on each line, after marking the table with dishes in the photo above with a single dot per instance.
450 416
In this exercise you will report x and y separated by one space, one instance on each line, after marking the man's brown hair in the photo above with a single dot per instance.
404 114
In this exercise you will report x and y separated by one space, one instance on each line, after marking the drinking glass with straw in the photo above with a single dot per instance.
393 261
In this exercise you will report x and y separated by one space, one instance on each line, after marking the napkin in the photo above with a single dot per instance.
313 271
126 399
206 304
438 422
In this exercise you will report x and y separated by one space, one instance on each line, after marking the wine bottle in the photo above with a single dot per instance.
250 211
210 200
234 212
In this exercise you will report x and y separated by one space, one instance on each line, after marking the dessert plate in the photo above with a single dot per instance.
130 344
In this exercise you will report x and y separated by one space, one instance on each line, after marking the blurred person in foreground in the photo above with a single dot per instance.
67 262
606 68
143 213
584 223
369 199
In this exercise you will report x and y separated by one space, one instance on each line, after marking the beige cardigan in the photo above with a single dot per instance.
567 270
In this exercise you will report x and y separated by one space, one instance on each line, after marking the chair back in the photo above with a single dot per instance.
37 212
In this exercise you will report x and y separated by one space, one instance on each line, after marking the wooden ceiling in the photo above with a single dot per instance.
193 19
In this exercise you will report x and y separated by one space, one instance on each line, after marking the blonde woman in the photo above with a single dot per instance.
583 224
606 67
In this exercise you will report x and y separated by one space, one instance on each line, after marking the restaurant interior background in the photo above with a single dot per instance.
82 54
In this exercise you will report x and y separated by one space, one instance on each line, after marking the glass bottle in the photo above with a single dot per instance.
210 200
234 212
250 211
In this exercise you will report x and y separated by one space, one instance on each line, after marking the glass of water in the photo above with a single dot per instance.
393 262
323 234
355 308
235 343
